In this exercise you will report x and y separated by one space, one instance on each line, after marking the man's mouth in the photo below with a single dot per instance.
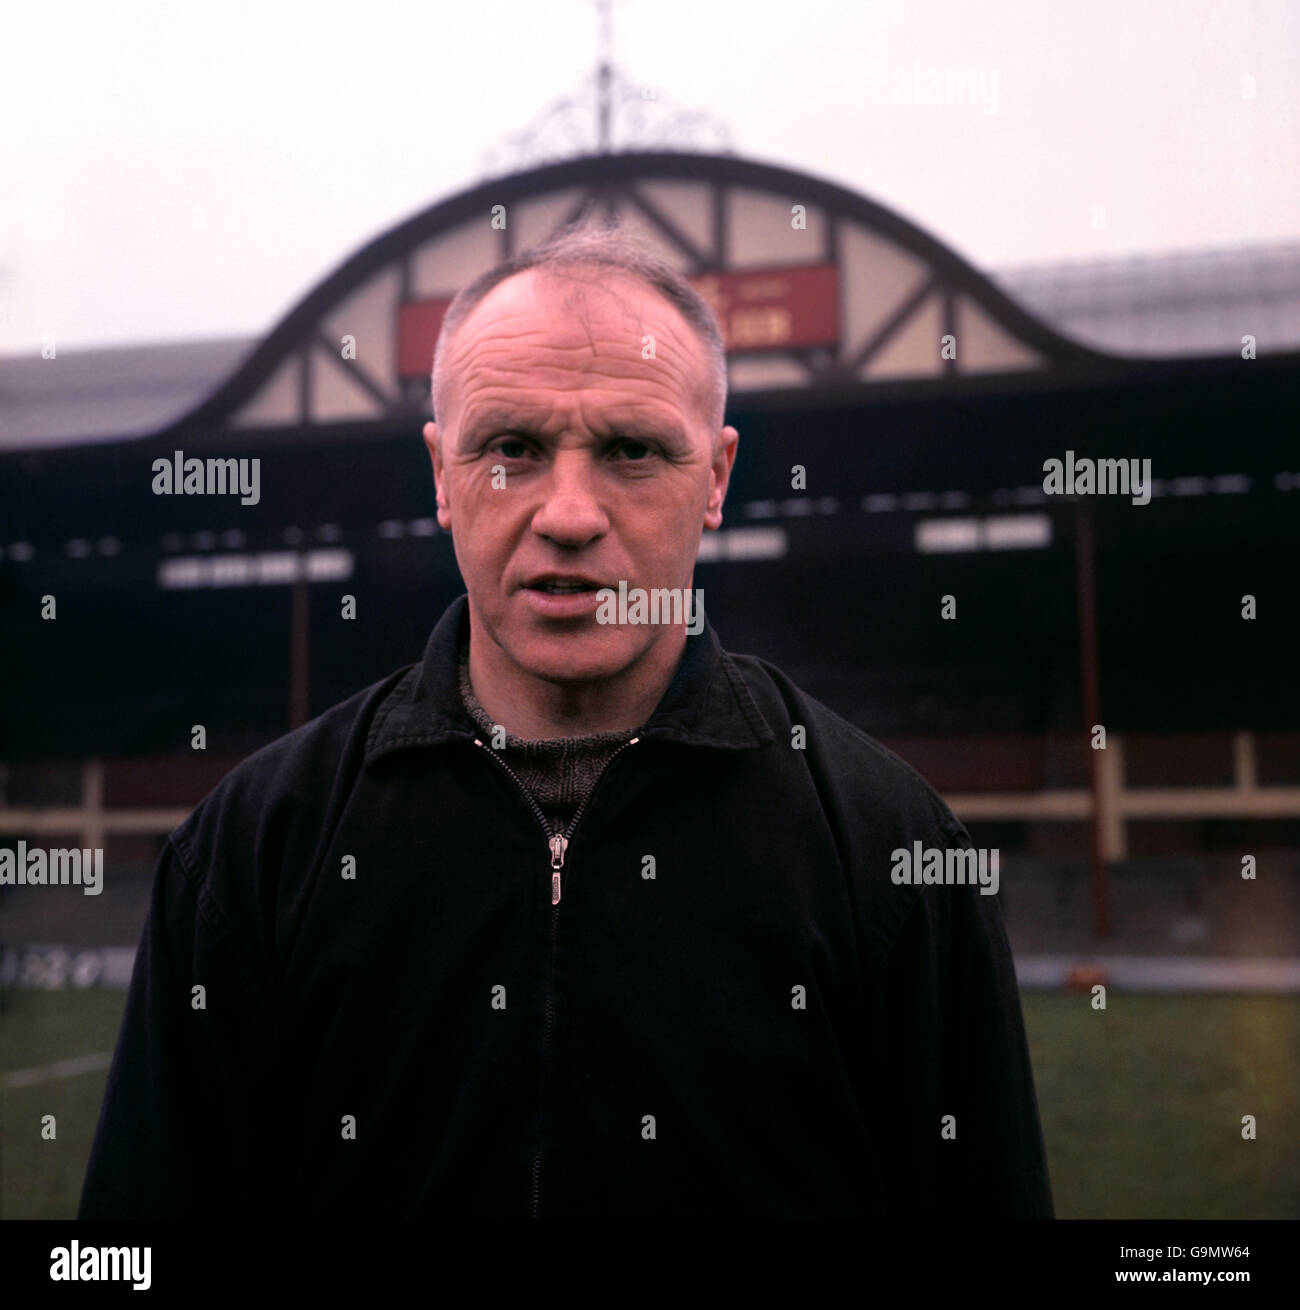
562 586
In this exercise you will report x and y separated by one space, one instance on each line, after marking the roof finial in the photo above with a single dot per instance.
604 74
607 114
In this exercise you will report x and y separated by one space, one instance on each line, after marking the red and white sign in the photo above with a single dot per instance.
774 308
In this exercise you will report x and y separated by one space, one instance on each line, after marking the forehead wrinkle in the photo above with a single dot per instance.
672 343
678 343
502 366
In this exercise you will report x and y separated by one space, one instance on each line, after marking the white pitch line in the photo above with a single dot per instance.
62 1069
1173 973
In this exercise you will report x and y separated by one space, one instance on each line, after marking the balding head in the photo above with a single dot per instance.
589 256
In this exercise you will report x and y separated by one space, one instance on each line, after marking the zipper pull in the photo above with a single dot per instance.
558 845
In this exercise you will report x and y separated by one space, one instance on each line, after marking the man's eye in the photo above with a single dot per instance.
633 450
511 447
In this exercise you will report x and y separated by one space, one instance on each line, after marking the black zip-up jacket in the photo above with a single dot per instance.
731 1010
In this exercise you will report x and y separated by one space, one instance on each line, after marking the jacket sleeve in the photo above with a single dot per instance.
955 1045
177 1131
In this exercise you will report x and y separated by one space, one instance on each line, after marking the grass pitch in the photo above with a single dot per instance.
1142 1103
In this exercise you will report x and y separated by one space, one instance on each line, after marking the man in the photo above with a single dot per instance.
581 915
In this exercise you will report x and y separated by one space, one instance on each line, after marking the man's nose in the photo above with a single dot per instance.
570 513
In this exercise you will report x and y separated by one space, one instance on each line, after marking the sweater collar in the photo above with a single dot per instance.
707 702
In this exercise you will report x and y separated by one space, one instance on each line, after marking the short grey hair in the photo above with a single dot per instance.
596 247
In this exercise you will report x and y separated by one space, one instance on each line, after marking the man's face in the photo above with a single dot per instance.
605 464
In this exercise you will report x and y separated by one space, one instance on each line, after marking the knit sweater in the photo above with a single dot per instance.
558 773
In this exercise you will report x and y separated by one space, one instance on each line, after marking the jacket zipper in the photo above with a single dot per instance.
557 845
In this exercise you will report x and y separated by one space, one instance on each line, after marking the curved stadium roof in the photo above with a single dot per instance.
1181 305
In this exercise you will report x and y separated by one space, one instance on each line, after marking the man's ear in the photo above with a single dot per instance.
434 445
724 457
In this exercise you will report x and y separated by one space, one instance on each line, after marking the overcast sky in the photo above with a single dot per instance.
175 171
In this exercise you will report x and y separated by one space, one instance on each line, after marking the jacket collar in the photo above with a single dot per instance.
707 702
